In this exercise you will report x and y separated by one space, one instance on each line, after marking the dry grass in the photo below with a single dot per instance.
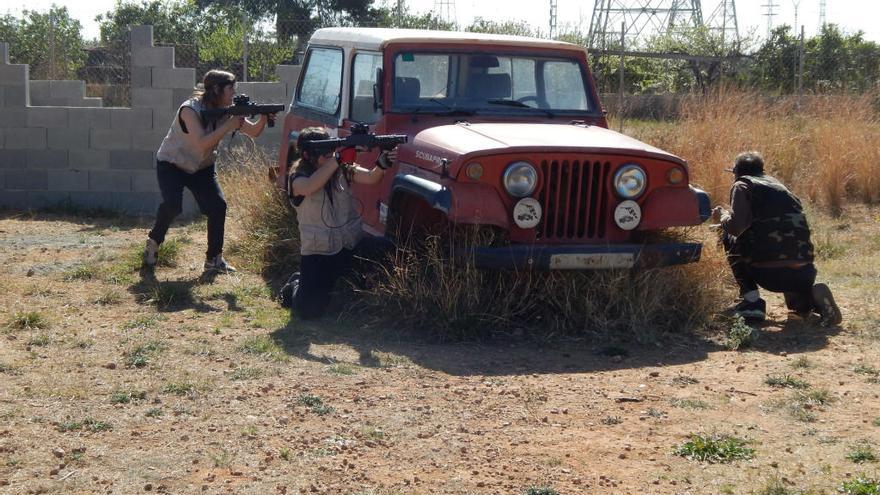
823 147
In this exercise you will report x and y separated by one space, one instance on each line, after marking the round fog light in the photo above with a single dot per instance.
527 213
474 171
675 175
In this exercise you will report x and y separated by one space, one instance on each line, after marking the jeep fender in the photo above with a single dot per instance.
462 203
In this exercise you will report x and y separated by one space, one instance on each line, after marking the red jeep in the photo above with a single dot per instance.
504 131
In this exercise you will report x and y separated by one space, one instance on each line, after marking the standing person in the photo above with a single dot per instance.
186 159
329 221
767 241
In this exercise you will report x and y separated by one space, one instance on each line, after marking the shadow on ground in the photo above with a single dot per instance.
517 356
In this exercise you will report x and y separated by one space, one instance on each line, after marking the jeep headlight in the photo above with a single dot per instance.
520 179
630 181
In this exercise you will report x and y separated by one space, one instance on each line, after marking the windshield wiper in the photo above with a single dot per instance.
517 104
506 102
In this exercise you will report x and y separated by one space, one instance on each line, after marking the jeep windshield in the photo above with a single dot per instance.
459 83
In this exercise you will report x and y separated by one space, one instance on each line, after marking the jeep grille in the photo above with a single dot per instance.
574 197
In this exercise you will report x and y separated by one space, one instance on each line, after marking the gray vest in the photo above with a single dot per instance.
325 227
177 150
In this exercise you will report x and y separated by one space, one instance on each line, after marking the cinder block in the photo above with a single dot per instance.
14 199
16 96
68 180
147 140
40 92
132 159
163 118
69 138
89 159
89 118
154 56
2 138
4 53
131 118
13 117
174 78
141 77
46 159
110 139
151 98
72 90
179 96
43 199
144 181
110 180
47 117
91 101
27 180
141 37
12 159
22 138
13 75
265 92
288 74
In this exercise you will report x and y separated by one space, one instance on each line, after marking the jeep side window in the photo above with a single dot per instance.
564 85
362 79
321 86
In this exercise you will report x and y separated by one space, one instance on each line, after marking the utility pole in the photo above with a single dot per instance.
797 5
244 29
553 11
399 12
770 14
822 14
800 72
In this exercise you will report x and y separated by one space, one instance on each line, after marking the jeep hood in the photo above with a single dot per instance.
463 141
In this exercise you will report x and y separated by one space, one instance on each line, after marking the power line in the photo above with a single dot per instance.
770 14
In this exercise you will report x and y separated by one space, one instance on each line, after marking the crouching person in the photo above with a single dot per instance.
186 160
767 241
329 221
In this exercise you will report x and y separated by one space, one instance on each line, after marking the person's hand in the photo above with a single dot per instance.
716 214
234 123
387 159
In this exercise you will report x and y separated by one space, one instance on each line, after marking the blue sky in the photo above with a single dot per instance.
852 15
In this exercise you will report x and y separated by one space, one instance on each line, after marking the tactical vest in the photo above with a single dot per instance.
325 226
779 229
177 150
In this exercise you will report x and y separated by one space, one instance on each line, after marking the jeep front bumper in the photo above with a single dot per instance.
580 257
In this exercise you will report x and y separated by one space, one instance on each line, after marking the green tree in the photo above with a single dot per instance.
518 28
51 43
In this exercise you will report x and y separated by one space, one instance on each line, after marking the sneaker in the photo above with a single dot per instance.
218 264
151 252
756 311
825 306
288 291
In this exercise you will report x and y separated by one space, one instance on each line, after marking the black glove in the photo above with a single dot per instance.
383 161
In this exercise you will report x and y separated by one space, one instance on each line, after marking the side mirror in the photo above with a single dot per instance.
377 89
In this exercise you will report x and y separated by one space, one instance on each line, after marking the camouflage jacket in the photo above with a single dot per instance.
778 230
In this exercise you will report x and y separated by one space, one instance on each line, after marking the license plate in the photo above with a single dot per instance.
591 261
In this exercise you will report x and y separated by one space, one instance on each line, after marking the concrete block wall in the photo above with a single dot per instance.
57 145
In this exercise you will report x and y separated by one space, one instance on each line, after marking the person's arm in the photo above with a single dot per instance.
739 218
372 176
305 186
196 136
253 129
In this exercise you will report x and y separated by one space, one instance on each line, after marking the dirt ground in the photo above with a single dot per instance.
111 382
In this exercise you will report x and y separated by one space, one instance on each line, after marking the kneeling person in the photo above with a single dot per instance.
767 241
329 221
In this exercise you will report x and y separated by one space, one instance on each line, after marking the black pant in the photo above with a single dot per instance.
795 284
318 274
209 196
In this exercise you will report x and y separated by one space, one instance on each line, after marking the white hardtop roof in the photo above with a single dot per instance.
377 38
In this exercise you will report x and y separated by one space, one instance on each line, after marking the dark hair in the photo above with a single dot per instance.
212 85
748 163
307 164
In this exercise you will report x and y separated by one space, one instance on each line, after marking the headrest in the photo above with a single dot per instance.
487 86
406 89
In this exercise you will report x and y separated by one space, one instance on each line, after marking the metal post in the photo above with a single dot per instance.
52 74
800 75
621 88
244 30
399 13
